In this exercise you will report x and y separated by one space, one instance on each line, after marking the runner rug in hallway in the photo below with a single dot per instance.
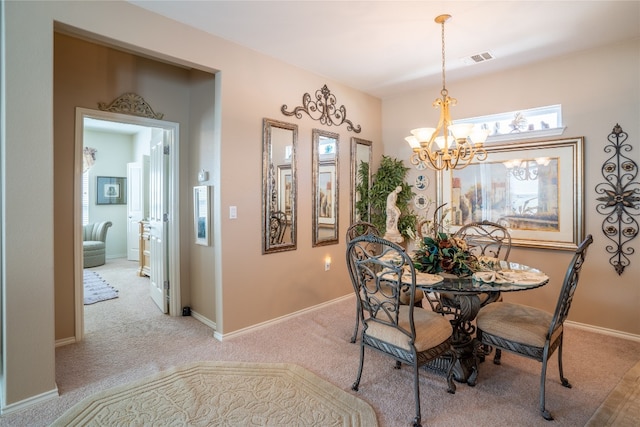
224 393
96 289
622 406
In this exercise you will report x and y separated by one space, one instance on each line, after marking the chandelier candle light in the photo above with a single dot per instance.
456 145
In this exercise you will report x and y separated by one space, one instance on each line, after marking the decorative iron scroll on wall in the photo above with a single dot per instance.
131 103
324 109
620 199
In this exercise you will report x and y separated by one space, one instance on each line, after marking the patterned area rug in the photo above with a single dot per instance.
224 393
96 289
622 407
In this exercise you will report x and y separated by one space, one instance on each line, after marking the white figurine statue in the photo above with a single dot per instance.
393 215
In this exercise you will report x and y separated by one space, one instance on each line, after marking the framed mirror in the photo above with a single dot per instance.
325 187
279 186
361 153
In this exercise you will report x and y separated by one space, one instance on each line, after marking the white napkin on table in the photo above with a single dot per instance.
514 277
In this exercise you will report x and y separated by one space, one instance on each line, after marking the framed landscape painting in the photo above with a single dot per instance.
535 189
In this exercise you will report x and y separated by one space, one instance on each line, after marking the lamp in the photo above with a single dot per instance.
447 146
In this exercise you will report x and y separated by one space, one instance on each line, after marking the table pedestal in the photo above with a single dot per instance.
468 349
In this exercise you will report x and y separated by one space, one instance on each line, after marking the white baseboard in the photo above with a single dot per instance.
604 331
219 336
65 341
252 328
201 318
18 406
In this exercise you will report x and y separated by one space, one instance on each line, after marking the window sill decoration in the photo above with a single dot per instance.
530 123
620 199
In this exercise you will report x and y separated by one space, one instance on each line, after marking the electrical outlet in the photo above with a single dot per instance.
233 212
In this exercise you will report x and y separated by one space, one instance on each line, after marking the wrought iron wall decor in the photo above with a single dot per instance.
620 199
323 109
131 103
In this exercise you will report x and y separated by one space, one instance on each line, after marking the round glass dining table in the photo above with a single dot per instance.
460 298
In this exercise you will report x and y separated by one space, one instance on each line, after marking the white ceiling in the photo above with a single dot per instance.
386 48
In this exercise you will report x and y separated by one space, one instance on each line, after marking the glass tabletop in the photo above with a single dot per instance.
502 277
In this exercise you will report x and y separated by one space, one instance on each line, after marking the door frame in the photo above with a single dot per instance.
173 235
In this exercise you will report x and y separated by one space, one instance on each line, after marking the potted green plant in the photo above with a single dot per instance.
391 174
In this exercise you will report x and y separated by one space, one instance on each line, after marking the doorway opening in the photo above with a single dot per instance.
161 148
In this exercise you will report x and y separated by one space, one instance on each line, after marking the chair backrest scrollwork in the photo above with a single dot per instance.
277 227
570 284
487 239
380 271
361 228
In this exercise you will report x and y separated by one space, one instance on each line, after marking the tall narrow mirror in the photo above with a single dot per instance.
360 179
279 186
325 187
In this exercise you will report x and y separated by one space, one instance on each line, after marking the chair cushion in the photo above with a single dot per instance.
432 329
516 322
93 245
405 295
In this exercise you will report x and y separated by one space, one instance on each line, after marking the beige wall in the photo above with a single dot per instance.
84 75
233 284
199 291
597 89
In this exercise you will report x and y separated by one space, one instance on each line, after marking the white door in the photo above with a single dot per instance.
158 224
135 205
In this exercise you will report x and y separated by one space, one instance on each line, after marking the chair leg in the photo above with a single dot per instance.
416 391
565 382
497 356
545 414
356 384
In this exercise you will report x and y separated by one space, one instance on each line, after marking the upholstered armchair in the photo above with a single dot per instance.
94 243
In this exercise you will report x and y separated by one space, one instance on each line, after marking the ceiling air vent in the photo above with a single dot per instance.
479 57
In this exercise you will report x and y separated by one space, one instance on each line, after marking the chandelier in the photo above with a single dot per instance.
526 170
448 145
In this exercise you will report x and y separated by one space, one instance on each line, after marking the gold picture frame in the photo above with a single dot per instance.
535 189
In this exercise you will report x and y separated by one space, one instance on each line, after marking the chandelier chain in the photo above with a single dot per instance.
449 145
444 91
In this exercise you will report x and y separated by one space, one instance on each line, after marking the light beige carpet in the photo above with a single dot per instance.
622 407
224 394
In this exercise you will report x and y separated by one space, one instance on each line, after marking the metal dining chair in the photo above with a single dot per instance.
277 227
380 270
529 331
360 228
484 239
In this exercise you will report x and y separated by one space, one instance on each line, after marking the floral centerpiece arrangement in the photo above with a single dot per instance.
444 253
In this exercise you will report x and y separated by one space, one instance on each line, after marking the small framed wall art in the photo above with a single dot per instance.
111 190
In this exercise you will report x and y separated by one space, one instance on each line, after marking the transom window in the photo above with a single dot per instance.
530 123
